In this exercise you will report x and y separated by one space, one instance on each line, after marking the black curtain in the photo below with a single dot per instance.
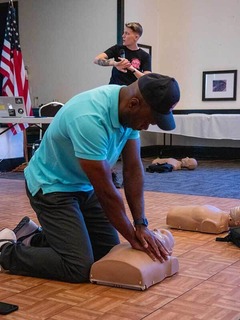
3 16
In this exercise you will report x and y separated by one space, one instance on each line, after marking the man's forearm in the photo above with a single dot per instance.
113 205
133 186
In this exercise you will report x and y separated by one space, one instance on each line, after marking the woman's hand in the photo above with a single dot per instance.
122 65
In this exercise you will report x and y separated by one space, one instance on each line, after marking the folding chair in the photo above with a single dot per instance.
48 110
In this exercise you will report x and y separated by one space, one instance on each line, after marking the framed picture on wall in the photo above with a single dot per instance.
219 85
146 48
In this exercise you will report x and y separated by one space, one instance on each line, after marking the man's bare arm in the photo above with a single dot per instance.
99 173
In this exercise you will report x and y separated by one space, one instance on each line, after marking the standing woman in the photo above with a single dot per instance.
129 62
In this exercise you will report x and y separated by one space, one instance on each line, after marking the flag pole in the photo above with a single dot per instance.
25 146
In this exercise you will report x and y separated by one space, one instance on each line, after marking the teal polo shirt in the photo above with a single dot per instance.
86 127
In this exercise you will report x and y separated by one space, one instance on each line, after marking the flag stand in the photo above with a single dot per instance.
25 146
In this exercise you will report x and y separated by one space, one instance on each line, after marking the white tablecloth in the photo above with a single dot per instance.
199 125
30 120
11 146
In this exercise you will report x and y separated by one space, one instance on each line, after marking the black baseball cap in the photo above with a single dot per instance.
161 93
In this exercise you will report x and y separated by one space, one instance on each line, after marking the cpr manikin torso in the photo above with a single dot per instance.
202 218
189 163
126 267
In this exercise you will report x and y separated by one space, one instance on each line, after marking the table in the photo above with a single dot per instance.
29 120
10 144
206 126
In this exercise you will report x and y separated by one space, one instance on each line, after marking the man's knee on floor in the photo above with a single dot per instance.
79 274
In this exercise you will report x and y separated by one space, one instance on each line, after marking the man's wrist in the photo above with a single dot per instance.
141 222
133 70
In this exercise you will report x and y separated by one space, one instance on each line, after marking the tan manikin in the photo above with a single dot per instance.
129 268
203 218
188 163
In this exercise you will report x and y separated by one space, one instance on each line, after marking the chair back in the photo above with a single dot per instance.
48 110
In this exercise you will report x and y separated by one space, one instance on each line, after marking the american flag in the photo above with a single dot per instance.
15 82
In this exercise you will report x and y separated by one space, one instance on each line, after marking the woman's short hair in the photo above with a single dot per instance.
135 26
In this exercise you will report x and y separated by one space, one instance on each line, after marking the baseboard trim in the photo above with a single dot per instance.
204 153
7 165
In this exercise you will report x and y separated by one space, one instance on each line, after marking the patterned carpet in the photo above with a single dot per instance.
210 178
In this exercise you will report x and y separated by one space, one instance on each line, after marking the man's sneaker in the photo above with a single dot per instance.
6 236
25 230
116 180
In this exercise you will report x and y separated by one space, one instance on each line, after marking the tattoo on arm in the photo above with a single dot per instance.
104 62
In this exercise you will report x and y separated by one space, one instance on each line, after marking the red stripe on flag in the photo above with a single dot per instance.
15 82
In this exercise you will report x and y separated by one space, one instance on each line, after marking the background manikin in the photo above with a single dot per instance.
203 218
189 163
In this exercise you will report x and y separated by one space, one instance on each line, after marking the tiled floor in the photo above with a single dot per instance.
206 287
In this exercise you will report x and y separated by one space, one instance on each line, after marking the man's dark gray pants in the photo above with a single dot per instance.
75 233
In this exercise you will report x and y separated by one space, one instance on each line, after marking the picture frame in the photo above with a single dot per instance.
219 85
146 48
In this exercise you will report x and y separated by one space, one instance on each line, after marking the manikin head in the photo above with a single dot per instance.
166 238
234 217
189 163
